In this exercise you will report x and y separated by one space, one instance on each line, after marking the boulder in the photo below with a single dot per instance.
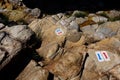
13 40
97 32
103 57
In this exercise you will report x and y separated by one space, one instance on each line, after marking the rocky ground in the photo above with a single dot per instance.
76 45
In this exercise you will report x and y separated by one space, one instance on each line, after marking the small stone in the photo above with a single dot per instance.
35 12
100 12
20 32
99 19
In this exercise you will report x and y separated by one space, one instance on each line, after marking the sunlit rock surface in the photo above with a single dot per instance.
74 45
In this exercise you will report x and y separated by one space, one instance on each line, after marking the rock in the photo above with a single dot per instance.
98 32
68 27
62 22
113 13
16 15
116 71
2 26
73 36
33 72
15 2
80 20
45 27
70 19
79 13
2 35
60 15
68 66
15 10
35 12
108 29
20 32
56 17
99 19
58 55
12 41
71 47
89 29
2 55
103 64
73 25
11 46
49 51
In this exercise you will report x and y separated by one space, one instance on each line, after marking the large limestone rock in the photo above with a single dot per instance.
12 40
69 64
70 48
72 54
104 63
47 26
97 32
60 59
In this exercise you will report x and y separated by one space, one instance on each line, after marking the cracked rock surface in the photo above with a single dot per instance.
12 40
74 46
85 50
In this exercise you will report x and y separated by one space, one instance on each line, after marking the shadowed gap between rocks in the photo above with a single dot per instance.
83 64
58 6
51 76
17 64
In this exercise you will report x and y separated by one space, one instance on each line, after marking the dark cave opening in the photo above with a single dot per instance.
57 6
